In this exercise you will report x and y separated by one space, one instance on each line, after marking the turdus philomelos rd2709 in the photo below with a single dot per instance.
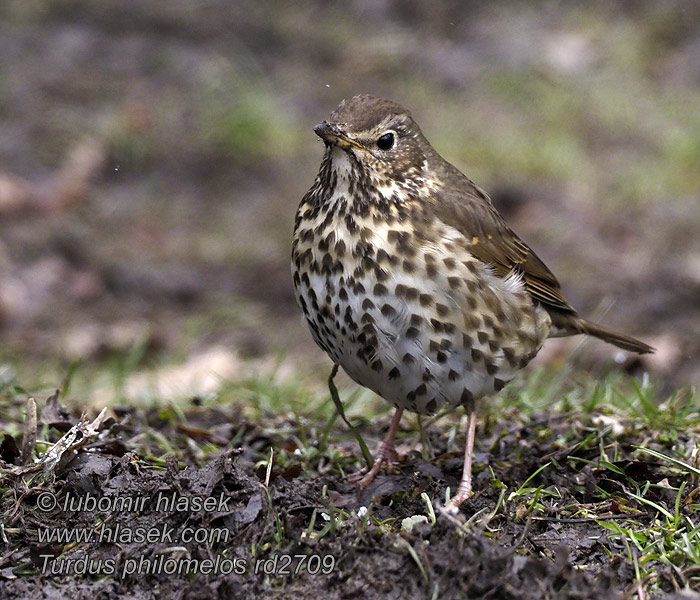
411 280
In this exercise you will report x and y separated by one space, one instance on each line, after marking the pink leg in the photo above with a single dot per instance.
465 486
386 454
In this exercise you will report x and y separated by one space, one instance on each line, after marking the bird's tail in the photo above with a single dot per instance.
621 341
573 324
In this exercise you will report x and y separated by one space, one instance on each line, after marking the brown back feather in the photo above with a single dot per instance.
469 210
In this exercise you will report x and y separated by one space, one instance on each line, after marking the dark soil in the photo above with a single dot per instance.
277 543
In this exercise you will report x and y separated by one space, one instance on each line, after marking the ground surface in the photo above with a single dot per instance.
566 505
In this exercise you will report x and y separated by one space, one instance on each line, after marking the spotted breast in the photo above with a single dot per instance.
408 311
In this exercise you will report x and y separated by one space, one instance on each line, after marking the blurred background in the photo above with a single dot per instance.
152 156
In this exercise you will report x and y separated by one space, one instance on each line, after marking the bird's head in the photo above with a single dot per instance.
377 137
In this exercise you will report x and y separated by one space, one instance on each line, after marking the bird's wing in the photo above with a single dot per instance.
470 211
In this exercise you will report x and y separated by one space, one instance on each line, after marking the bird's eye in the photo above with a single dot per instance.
386 142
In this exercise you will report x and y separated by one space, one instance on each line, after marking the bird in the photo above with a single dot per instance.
410 279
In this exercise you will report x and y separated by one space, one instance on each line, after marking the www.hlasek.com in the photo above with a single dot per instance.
119 534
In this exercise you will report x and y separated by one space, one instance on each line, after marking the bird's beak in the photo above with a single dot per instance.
331 134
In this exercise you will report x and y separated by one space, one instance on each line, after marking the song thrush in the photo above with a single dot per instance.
411 280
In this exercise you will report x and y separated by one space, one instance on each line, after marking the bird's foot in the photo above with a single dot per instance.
464 491
465 485
386 456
